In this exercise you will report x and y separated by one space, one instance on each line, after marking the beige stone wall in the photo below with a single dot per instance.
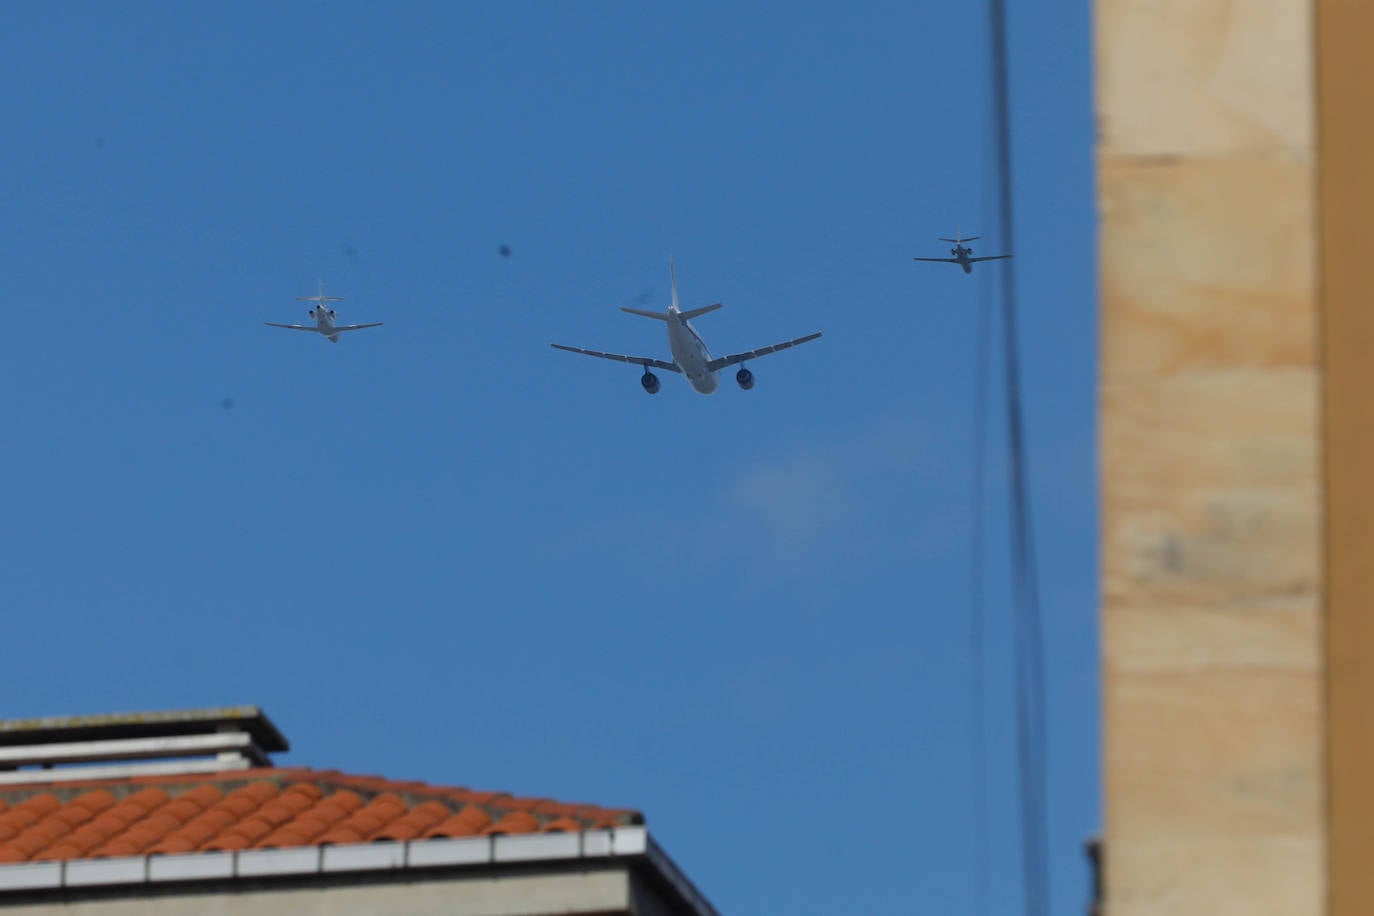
1210 462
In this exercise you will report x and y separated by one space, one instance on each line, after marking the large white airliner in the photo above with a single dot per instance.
324 318
690 356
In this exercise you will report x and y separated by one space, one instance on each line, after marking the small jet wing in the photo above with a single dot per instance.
293 327
358 327
645 361
941 260
995 257
723 361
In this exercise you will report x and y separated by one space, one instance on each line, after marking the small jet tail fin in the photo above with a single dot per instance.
672 274
661 316
320 297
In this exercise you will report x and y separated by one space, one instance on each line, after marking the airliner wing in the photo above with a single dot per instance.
941 260
645 361
995 257
292 327
358 327
723 361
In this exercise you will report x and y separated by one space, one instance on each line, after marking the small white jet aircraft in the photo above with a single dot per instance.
324 318
690 356
961 255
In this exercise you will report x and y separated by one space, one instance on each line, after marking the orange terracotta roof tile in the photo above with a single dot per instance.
476 798
515 822
471 821
510 803
562 825
94 802
267 807
414 823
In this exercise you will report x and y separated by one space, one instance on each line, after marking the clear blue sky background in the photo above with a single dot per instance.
441 550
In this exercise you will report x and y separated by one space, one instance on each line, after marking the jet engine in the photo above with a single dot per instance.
331 313
954 251
969 250
745 378
650 382
311 313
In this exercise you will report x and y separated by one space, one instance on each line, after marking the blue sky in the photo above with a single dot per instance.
441 550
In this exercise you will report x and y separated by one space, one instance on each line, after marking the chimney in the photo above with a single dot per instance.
118 745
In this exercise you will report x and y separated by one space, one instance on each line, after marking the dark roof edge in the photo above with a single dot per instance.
676 879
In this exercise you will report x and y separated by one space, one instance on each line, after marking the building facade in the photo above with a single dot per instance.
1235 448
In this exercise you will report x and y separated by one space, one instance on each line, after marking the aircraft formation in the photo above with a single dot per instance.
691 357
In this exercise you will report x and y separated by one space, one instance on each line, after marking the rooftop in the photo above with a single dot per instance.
196 790
264 808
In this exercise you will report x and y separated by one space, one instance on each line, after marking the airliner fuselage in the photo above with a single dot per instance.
690 353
